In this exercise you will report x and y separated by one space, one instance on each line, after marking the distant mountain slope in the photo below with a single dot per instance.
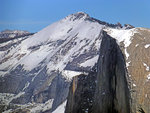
36 70
7 35
12 33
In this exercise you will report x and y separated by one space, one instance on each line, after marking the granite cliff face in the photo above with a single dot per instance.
40 72
104 90
112 93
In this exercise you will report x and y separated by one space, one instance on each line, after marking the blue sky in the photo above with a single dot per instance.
34 15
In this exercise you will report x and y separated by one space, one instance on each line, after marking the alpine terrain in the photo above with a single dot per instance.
76 65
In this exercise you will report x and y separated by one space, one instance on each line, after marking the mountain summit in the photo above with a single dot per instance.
71 58
78 15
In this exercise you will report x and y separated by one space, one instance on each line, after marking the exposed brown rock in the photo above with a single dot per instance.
138 55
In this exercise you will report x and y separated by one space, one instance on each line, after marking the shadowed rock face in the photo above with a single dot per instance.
112 93
109 93
81 94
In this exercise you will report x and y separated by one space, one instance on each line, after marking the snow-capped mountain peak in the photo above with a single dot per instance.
58 46
36 70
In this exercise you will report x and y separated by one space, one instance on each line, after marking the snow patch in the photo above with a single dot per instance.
134 85
147 67
136 45
148 76
91 62
128 63
24 49
126 53
70 74
26 85
34 58
60 108
122 35
147 45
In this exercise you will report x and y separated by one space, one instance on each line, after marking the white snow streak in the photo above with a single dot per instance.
147 67
90 62
148 76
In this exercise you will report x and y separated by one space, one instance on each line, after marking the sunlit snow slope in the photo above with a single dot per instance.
30 67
